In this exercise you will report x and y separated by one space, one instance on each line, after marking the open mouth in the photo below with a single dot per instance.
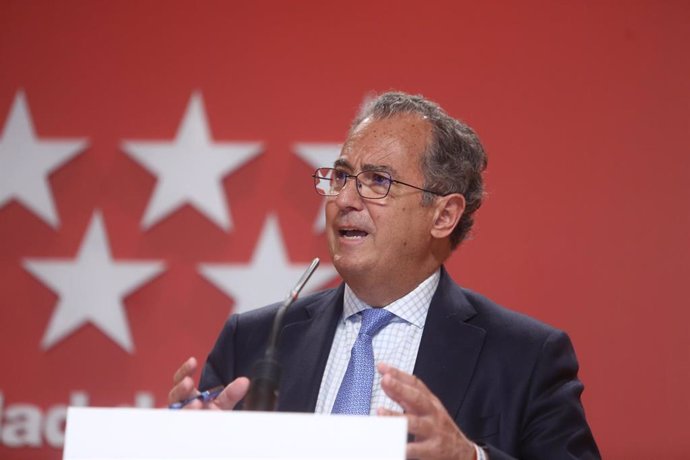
352 233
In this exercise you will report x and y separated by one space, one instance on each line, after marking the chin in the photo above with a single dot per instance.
349 266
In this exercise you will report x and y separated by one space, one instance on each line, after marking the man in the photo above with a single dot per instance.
464 372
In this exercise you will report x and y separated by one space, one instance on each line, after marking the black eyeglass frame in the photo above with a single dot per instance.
358 183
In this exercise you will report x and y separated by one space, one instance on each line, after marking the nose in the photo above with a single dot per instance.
349 198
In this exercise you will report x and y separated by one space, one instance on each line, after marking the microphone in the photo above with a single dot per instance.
263 390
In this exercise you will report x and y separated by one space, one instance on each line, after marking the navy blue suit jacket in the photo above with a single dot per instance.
509 381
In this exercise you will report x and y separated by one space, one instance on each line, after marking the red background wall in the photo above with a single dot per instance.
584 109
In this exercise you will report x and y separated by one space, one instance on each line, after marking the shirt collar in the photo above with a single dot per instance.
412 307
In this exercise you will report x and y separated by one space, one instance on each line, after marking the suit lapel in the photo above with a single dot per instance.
306 339
450 346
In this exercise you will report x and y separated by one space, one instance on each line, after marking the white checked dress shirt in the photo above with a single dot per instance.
396 344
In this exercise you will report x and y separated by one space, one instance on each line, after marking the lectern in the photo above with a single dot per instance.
147 434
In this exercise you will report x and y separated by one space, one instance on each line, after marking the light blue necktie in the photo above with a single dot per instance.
354 395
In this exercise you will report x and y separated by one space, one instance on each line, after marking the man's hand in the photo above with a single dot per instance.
436 436
184 388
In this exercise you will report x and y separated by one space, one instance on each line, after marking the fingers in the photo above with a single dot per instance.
435 433
185 389
407 390
232 394
403 377
183 383
186 369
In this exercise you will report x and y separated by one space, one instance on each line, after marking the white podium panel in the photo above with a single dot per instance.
147 434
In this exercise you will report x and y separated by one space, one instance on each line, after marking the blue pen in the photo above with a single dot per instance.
204 396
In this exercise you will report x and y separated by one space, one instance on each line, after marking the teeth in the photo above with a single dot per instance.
353 233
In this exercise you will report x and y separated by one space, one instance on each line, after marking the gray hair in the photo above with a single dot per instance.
454 159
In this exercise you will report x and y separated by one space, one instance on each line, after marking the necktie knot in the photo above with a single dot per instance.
374 319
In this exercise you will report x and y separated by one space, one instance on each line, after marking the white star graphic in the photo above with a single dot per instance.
191 168
26 162
319 156
268 278
92 288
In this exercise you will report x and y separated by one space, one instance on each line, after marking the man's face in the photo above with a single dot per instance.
379 240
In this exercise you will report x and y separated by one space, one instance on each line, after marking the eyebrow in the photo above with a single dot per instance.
342 163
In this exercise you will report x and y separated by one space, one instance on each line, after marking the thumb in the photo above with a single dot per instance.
232 394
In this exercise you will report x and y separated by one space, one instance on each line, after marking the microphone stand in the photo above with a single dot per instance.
263 390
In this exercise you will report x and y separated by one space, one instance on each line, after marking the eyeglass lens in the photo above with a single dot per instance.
370 184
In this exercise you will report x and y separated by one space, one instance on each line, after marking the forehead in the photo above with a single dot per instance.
395 144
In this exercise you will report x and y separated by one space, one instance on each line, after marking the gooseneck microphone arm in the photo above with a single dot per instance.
263 390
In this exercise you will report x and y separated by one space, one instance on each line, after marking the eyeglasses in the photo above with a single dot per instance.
370 184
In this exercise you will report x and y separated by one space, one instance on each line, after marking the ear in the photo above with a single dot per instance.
448 211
